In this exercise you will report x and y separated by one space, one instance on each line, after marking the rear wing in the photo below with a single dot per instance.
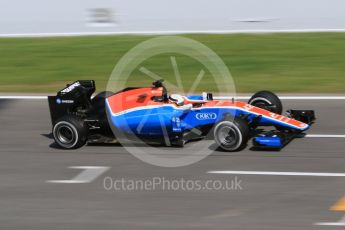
71 98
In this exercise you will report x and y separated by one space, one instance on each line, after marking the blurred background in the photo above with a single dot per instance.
285 46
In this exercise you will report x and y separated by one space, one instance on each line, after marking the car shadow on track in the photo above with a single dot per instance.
103 144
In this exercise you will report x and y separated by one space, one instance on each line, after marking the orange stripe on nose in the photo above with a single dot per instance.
339 206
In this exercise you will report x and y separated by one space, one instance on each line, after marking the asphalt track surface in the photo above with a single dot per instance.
29 160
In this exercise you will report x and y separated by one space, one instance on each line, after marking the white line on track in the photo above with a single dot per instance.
341 222
269 173
325 136
164 32
89 174
24 97
330 224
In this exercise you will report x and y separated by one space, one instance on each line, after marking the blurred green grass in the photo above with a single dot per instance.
287 62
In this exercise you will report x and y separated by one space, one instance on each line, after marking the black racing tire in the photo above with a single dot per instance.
69 132
232 135
267 100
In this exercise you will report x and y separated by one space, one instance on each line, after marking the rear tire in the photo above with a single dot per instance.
267 100
70 133
231 135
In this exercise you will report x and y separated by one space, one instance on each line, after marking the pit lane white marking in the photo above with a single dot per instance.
330 224
325 136
339 223
89 174
267 173
24 97
169 32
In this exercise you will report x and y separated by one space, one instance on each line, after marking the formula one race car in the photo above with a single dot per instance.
154 116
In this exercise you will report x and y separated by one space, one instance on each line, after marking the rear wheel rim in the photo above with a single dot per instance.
65 134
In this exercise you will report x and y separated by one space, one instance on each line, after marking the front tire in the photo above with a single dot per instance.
70 133
231 135
267 100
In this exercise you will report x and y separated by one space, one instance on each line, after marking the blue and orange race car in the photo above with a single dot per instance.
152 115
